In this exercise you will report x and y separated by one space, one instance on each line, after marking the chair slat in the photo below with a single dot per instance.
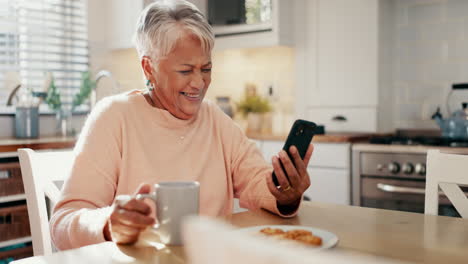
457 197
40 169
446 171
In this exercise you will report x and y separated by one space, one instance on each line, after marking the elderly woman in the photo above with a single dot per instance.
167 133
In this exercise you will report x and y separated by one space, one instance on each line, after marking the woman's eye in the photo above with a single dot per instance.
206 70
185 72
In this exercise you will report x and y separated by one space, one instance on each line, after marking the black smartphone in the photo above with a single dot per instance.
300 135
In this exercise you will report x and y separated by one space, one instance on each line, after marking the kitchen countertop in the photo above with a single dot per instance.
51 142
406 148
345 137
12 144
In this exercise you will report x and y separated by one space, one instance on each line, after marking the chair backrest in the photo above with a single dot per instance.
211 241
446 171
41 171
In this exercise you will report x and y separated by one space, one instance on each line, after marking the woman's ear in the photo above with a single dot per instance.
147 67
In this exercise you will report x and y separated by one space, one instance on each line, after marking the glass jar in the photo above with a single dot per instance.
224 102
64 124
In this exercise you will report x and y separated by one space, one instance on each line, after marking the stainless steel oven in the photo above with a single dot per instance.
392 176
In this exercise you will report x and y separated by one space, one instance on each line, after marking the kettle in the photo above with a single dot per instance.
456 126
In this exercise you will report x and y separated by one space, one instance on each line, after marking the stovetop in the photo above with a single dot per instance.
420 140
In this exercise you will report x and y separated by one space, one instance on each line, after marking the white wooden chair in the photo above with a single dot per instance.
447 171
41 172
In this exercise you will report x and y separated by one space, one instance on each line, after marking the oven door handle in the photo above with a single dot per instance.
398 189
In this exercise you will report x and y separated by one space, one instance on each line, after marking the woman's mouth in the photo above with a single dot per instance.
191 96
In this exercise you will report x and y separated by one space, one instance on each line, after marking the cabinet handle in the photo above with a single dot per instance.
339 118
8 219
398 189
459 86
5 174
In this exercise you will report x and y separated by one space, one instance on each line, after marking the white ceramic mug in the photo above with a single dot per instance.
174 201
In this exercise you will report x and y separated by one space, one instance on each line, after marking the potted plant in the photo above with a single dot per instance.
254 108
64 110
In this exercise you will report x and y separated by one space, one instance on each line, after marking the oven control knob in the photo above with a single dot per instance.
380 167
420 169
394 167
407 168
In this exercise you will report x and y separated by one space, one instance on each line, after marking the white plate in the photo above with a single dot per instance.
329 239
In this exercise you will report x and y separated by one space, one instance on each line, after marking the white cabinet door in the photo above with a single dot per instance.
331 155
337 61
202 5
359 119
124 15
342 41
329 170
348 52
271 148
329 185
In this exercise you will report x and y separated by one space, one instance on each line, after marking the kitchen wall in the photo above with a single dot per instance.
264 67
428 51
232 69
431 53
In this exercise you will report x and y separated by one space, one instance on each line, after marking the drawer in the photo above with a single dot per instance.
340 119
10 179
271 148
329 186
14 221
331 155
16 252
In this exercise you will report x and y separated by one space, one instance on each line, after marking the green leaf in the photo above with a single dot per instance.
253 104
53 96
87 85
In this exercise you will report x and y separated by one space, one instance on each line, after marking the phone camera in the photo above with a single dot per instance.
300 130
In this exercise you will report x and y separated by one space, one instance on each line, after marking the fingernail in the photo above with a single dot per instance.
292 149
282 154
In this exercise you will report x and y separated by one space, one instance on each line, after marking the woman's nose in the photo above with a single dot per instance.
197 81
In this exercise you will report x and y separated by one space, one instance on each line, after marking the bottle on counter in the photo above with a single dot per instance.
224 102
277 115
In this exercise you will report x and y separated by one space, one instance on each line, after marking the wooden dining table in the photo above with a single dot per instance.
409 237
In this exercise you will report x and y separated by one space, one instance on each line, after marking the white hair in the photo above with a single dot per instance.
163 22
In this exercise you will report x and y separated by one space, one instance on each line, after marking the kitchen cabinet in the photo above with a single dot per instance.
329 170
123 19
277 32
340 73
15 238
329 185
124 14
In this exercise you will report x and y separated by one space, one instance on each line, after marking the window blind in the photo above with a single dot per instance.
40 36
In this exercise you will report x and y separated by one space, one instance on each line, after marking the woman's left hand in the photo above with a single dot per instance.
293 180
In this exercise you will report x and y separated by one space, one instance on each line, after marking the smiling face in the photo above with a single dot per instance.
181 78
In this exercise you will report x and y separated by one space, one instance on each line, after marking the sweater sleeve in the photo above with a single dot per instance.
249 173
84 206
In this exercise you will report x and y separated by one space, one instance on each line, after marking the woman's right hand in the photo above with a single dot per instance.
128 218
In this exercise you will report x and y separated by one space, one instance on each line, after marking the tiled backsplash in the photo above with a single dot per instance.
264 67
431 47
232 69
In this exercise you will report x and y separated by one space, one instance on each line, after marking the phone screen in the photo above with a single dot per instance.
300 135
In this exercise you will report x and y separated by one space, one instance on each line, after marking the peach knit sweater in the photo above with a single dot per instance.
126 142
